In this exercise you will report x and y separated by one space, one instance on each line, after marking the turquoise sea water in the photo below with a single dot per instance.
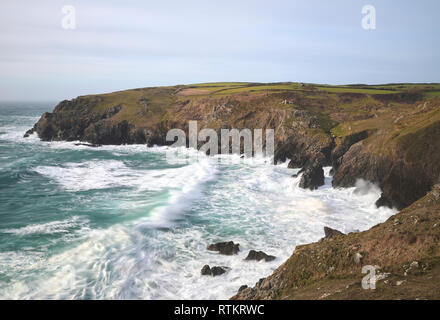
125 222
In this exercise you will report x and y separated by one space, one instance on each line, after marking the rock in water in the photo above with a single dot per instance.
91 145
312 177
383 201
331 233
206 270
28 133
259 255
226 248
214 271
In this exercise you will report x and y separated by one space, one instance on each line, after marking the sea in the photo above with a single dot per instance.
133 222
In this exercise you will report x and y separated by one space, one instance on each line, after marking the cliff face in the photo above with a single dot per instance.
402 155
79 120
385 134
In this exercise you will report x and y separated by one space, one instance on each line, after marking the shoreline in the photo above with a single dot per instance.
388 139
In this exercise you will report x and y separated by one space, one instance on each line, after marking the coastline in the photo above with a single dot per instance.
381 145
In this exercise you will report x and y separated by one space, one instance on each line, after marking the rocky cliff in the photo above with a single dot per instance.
404 252
384 134
387 134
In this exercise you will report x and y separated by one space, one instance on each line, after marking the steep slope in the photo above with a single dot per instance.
404 250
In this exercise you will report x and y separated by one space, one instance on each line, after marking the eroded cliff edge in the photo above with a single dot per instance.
388 135
404 252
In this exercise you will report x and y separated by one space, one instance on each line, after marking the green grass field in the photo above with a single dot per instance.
222 88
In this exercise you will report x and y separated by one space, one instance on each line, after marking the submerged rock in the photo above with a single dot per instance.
331 233
92 145
214 271
259 255
226 248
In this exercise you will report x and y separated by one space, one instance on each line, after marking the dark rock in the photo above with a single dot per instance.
383 201
312 177
28 133
78 120
242 288
259 255
92 145
331 233
206 270
345 144
226 248
214 271
404 175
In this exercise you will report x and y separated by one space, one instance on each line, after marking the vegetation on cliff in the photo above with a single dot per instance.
404 250
385 134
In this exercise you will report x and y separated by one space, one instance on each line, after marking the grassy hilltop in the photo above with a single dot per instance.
145 106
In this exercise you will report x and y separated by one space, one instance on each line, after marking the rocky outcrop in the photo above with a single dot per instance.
242 288
312 177
227 248
214 271
404 249
331 233
206 270
259 255
77 120
343 144
405 171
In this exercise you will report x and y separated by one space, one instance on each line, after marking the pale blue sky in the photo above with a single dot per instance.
127 44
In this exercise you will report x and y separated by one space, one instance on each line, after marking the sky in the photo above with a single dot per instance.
119 45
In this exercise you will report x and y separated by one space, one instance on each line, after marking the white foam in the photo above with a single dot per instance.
186 184
90 175
16 133
63 226
250 202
